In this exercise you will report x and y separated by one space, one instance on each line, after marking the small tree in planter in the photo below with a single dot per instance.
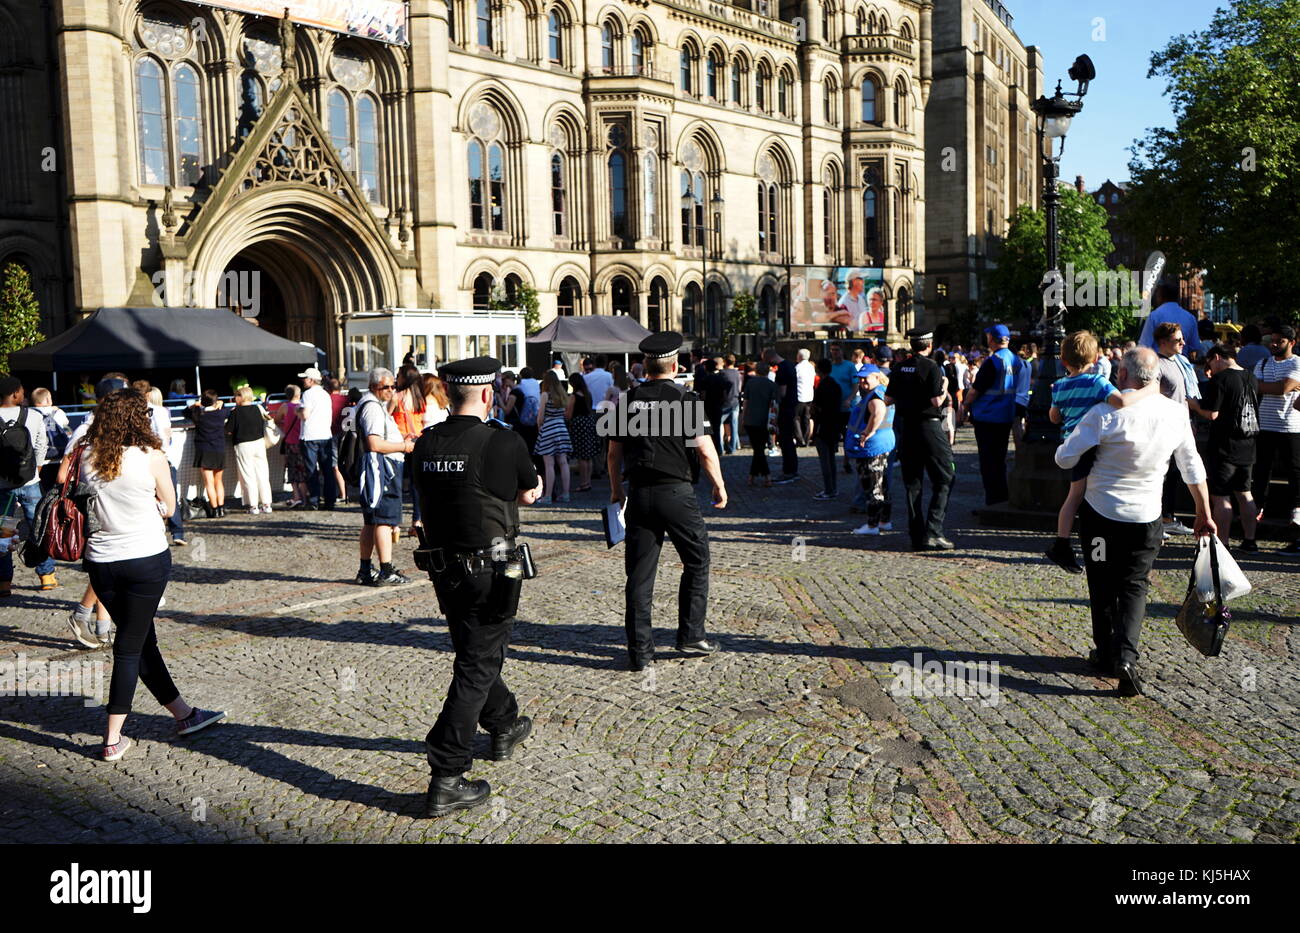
20 313
743 317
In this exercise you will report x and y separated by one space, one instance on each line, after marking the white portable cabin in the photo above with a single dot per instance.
434 335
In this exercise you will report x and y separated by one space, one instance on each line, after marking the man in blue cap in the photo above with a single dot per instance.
991 406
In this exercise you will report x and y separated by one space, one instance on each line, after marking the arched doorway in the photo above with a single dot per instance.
714 302
691 301
767 310
656 305
620 295
567 299
903 310
276 286
483 284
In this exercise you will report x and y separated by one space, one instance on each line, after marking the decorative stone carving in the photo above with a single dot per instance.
162 33
766 167
294 153
558 138
617 136
351 69
263 56
692 158
484 121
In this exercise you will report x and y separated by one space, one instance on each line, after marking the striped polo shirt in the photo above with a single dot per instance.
1277 412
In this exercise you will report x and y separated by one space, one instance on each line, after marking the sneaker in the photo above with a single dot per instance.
825 495
105 638
48 581
178 542
366 577
114 752
1176 528
886 526
196 720
396 578
867 530
266 510
1248 546
254 510
82 631
784 480
1061 553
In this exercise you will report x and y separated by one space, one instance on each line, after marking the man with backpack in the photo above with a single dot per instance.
531 390
1231 404
57 434
23 444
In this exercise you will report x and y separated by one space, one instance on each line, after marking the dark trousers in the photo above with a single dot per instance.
176 521
826 448
992 438
714 416
758 445
480 633
803 423
1270 448
1117 556
924 449
130 590
652 512
785 427
318 457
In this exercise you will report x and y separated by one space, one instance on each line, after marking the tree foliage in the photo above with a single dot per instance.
525 300
1013 290
1221 190
743 316
20 312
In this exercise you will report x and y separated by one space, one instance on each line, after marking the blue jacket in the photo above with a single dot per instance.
997 403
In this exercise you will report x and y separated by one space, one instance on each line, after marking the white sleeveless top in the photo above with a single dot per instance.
130 525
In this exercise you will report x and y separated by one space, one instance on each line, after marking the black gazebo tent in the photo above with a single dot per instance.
596 333
135 339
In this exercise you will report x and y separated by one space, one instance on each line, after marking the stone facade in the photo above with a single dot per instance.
516 142
983 154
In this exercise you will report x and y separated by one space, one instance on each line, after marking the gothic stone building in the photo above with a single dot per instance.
645 157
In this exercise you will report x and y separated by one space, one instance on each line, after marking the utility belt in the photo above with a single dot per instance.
508 559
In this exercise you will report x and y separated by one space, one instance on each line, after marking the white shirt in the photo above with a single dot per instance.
1102 367
162 422
598 382
1134 445
1277 412
130 525
804 374
79 434
34 421
375 419
318 413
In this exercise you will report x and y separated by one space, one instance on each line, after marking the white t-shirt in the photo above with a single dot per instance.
318 414
805 373
34 421
373 418
130 525
1277 412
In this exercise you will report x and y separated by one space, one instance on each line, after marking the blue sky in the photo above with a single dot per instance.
1121 104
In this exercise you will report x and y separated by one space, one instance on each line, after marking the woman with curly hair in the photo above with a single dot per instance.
127 557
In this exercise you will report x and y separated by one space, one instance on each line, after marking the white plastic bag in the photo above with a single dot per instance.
1232 582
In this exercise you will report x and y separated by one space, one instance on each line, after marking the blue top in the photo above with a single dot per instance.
882 442
997 383
1172 312
845 372
1072 396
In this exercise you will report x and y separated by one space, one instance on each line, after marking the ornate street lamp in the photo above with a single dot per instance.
1054 116
705 231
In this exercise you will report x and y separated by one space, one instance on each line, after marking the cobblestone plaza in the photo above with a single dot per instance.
807 727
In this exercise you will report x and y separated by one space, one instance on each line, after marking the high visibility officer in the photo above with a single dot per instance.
473 474
991 404
919 390
652 449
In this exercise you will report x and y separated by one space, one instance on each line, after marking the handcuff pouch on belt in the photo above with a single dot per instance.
515 562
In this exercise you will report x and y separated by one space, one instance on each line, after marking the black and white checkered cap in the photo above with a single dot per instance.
481 370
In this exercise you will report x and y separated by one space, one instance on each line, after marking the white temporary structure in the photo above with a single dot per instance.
432 336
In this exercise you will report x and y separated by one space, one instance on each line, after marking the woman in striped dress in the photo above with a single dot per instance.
553 443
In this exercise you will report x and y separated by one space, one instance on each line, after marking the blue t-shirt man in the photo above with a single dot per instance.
845 372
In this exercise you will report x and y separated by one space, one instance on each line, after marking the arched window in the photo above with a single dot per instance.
905 29
340 125
870 225
831 101
620 295
870 98
169 111
650 193
567 300
496 187
762 80
828 21
712 68
688 69
656 304
559 197
618 225
737 81
352 119
900 103
713 302
861 20
640 44
483 285
477 186
903 308
555 37
451 20
768 218
188 125
151 110
767 310
830 215
883 25
368 147
607 47
483 19
691 308
783 93
693 218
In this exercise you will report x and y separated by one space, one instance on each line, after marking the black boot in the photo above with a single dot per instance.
221 511
208 510
454 793
503 743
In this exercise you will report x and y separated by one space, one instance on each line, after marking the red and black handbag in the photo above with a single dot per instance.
65 530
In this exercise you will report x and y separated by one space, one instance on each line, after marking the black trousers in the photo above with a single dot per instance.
131 590
652 512
789 454
992 438
480 609
1272 447
758 445
923 449
803 423
1117 556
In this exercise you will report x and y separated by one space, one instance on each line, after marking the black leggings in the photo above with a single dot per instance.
130 590
758 443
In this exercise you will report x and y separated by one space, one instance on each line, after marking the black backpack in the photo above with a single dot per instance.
1246 424
352 455
17 455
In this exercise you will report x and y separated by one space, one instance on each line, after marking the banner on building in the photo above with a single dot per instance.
850 296
384 20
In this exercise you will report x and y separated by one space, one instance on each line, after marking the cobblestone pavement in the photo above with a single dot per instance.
802 730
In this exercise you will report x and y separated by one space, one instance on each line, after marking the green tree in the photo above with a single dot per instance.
1013 290
1221 190
20 312
525 300
743 316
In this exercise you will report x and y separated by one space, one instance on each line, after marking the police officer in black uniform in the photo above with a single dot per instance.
655 453
472 474
919 391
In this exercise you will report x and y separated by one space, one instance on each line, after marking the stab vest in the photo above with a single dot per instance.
997 403
460 513
658 458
